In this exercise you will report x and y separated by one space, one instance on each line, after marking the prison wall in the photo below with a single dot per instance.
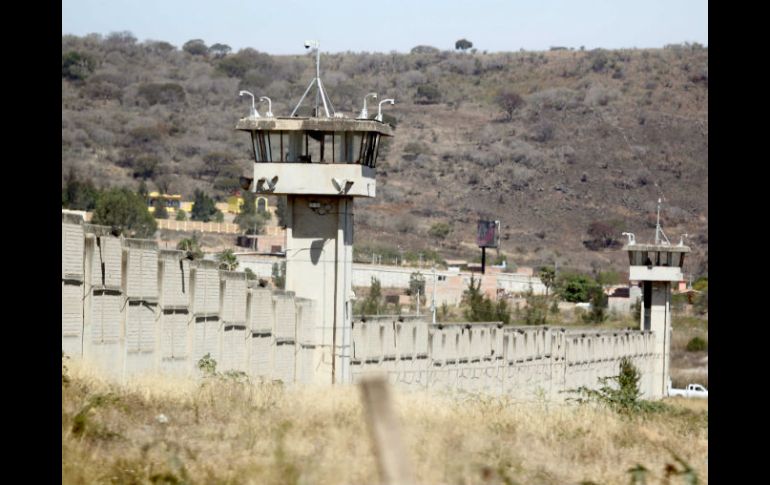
131 308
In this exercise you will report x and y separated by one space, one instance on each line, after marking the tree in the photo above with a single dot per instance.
280 210
249 220
195 47
575 287
77 194
160 209
181 215
547 275
509 102
227 260
372 303
602 235
416 283
203 208
220 50
126 212
598 312
279 274
481 308
463 44
191 246
536 311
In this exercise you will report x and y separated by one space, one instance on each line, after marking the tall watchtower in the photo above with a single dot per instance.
656 266
321 164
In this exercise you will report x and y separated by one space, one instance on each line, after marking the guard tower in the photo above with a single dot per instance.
321 164
656 266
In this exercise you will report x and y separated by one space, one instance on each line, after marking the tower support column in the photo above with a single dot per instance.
319 257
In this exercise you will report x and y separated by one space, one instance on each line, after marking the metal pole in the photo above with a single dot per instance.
433 303
483 258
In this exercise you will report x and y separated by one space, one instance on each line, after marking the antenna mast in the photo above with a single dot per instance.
658 229
321 93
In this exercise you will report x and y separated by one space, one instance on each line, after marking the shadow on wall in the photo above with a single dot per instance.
316 248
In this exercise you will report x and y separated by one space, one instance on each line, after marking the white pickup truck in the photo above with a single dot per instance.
693 390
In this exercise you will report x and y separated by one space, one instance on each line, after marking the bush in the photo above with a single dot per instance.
424 49
440 230
509 102
77 66
697 344
620 393
181 215
427 94
258 64
162 93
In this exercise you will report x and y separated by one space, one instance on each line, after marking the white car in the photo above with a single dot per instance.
692 390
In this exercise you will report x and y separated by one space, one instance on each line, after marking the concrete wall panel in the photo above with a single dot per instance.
261 310
233 294
283 363
174 335
72 251
261 356
174 279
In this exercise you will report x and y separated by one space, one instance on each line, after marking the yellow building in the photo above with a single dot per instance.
235 203
172 202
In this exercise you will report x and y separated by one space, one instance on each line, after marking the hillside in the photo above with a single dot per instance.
600 135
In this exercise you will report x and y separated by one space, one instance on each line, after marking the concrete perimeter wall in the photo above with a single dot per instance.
131 308
524 362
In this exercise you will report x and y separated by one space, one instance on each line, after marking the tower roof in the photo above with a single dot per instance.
313 124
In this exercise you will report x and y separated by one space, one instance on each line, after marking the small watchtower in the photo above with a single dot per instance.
656 266
321 163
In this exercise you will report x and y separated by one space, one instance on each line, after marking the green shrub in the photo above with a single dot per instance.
697 344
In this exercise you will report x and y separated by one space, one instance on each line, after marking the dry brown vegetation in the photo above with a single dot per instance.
599 137
225 432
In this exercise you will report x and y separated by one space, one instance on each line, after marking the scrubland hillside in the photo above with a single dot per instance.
597 137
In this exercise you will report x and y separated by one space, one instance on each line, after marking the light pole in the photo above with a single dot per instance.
379 108
269 106
253 113
364 113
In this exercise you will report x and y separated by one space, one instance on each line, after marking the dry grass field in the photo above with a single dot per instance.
221 431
